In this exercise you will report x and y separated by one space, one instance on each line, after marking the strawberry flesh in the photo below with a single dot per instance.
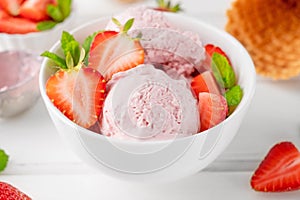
35 10
205 82
279 171
79 95
11 6
8 191
111 53
212 108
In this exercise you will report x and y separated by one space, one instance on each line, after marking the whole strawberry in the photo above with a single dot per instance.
9 192
279 171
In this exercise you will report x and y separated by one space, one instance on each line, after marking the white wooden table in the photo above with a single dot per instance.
42 166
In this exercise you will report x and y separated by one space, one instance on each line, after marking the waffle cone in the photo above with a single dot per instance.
270 31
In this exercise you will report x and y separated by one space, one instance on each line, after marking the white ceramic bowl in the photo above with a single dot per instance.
158 160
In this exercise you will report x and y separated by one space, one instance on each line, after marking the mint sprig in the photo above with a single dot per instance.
58 13
74 54
223 71
3 160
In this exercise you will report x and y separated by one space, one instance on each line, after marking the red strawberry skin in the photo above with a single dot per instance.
79 95
111 53
101 37
210 49
279 171
212 108
35 10
14 25
9 192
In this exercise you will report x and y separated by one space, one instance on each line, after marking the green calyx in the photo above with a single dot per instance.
123 28
167 6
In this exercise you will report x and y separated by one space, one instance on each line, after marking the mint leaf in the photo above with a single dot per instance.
46 25
116 22
222 71
56 59
128 25
234 95
55 13
64 7
66 38
3 160
87 45
74 49
69 61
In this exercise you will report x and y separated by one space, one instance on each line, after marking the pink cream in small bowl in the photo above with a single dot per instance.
19 88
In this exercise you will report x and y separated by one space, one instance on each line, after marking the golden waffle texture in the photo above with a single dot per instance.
270 31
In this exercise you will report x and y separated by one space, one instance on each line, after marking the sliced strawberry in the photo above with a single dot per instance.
8 191
205 82
3 14
210 49
79 95
35 10
11 6
101 37
111 53
14 25
279 171
212 108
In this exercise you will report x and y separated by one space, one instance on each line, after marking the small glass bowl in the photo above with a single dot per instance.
19 88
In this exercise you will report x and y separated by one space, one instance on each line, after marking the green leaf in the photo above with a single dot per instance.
46 25
69 61
128 25
66 38
56 59
222 71
3 160
55 13
65 7
74 49
87 45
234 95
116 22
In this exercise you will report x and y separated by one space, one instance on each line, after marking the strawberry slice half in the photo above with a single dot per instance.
78 94
279 171
35 10
14 25
211 49
212 108
112 52
205 82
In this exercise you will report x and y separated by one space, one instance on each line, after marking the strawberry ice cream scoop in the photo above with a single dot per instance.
164 43
144 103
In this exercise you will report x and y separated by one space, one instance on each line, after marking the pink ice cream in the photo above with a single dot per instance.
144 103
163 42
